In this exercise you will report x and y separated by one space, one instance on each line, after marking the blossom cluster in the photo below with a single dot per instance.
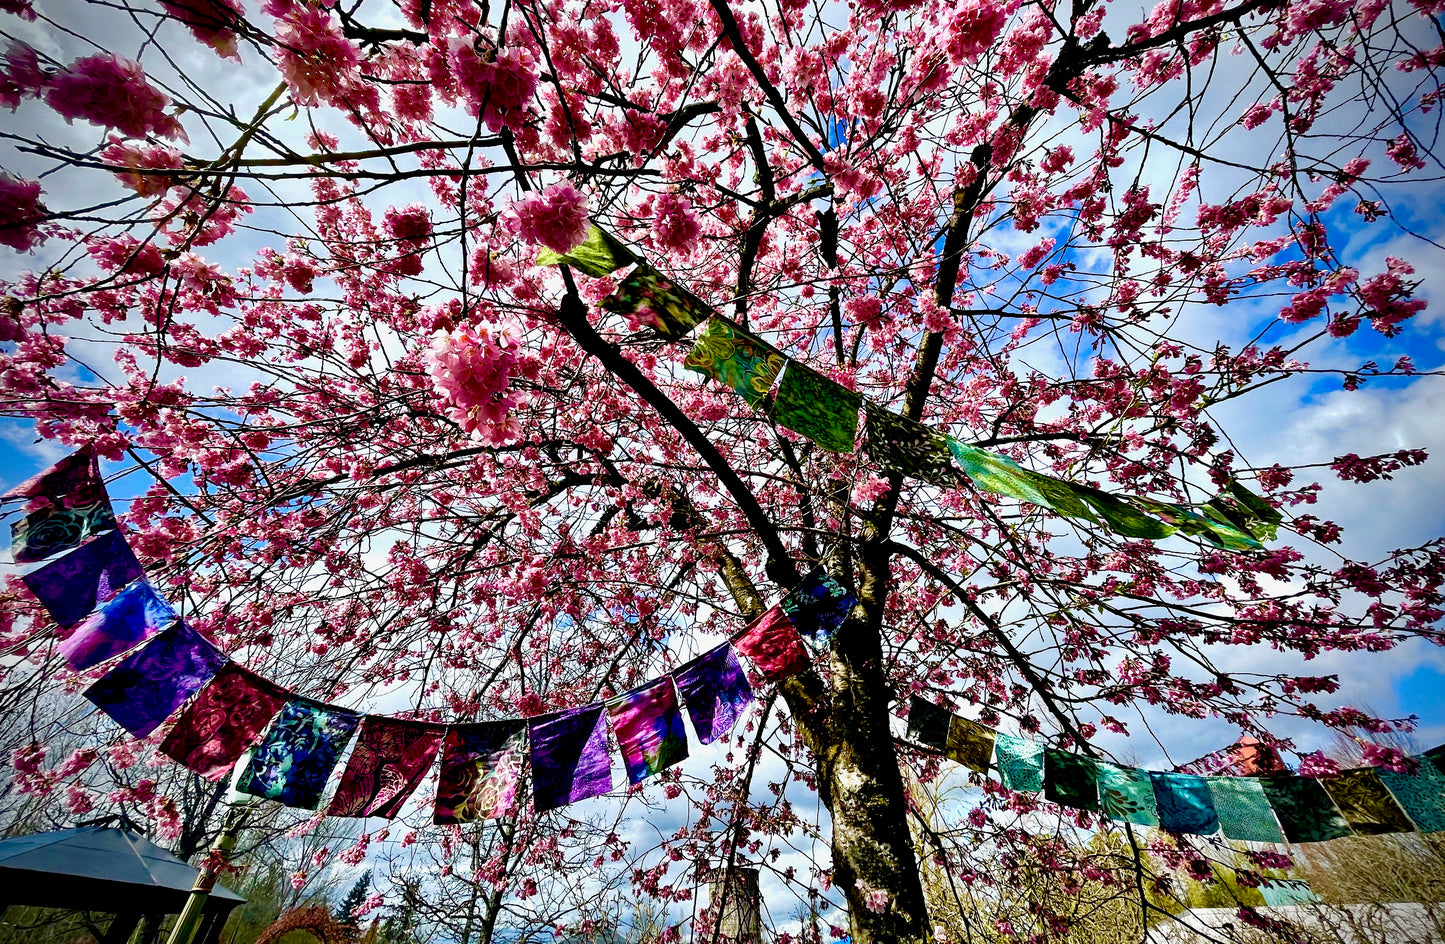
472 369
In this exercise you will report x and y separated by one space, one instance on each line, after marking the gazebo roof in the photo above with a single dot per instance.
93 868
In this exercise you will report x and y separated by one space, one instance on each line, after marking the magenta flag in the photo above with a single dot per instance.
716 691
569 757
71 586
649 728
773 645
147 686
130 618
481 770
74 480
64 505
225 719
391 757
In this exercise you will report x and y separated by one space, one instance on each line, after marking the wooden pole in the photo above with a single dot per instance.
190 918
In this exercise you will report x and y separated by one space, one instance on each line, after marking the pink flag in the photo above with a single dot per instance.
773 645
225 719
390 759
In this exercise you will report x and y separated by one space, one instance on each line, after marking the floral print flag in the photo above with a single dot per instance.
1126 794
817 407
1365 804
928 724
1020 762
481 771
130 618
71 586
225 719
64 505
147 686
1185 803
1421 794
736 359
649 299
1243 809
1305 811
716 691
569 757
649 729
899 444
391 757
773 645
293 762
1071 780
818 605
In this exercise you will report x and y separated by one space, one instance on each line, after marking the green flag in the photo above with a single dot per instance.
598 255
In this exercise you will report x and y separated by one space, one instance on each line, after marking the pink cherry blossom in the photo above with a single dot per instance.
472 368
213 22
112 92
20 213
22 76
555 217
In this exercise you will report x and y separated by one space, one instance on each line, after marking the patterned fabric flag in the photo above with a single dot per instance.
1185 803
736 359
1071 780
928 724
1020 762
1421 794
716 691
1126 794
1243 809
569 757
74 480
599 254
1305 811
70 587
41 534
649 729
1437 757
1217 532
147 686
292 763
818 407
225 719
1121 516
648 299
899 444
969 743
130 618
773 645
1366 805
1284 892
391 757
818 605
481 771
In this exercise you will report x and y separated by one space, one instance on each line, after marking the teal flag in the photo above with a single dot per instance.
1071 780
1020 762
736 359
817 407
1243 809
599 254
1283 892
1305 810
1421 794
1185 804
1126 794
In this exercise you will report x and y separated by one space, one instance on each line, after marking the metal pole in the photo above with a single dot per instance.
190 917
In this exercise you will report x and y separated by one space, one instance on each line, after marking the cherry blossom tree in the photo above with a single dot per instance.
280 263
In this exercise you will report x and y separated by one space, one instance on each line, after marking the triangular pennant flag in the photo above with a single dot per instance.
146 687
226 718
391 757
648 299
735 358
773 645
899 444
294 760
1243 809
1367 806
70 587
1126 794
481 771
1020 762
128 619
969 743
1185 803
1305 811
569 757
928 724
1420 793
716 691
649 728
1071 780
817 407
598 255
818 605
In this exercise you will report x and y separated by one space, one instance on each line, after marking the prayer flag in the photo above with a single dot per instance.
1216 531
648 299
1071 780
1305 811
73 481
819 604
41 534
736 359
1020 762
1126 794
71 586
225 719
1243 809
481 770
649 728
391 757
817 407
928 724
773 645
716 691
969 743
598 255
1421 794
1121 516
1284 892
899 444
129 618
1185 803
569 757
292 763
1366 805
147 686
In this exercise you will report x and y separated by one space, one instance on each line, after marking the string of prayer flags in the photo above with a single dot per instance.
1305 811
1185 803
649 299
898 444
1365 804
1020 762
227 717
817 407
649 729
773 645
969 743
928 724
71 586
1243 809
147 686
1421 793
481 771
716 691
818 605
1071 780
391 757
125 621
599 254
1126 794
569 757
293 762
736 359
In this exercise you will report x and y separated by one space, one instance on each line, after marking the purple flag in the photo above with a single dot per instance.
71 586
716 692
147 686
391 757
649 729
130 618
569 757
